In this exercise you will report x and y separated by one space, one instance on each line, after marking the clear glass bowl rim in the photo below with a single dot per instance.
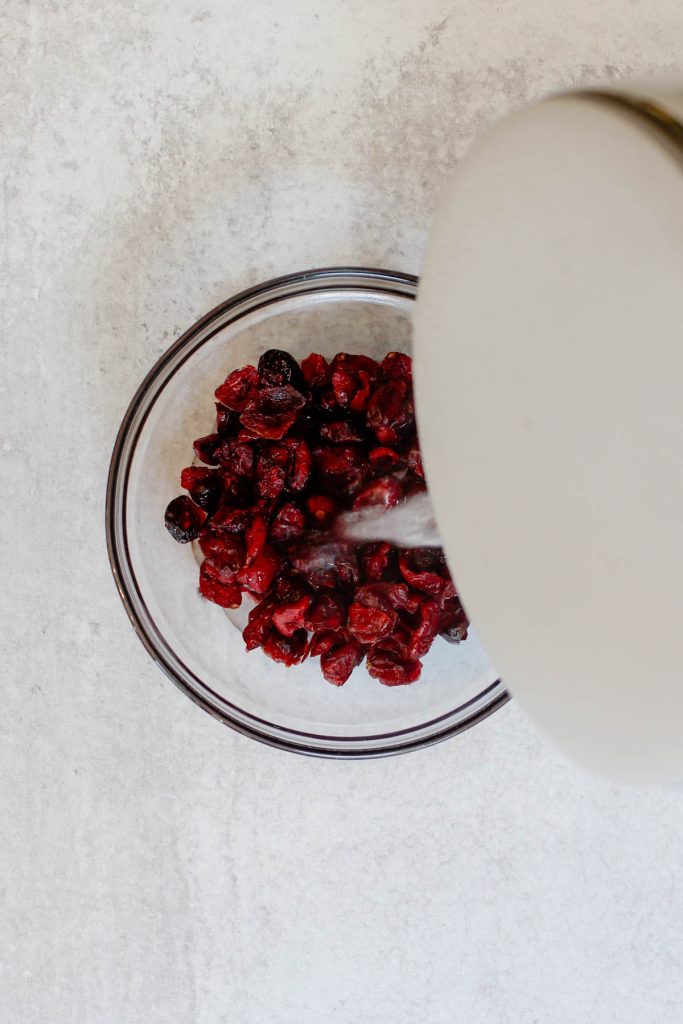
325 278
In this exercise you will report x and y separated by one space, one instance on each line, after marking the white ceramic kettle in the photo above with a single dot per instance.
549 387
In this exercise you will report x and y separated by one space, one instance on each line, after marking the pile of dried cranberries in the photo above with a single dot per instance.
295 445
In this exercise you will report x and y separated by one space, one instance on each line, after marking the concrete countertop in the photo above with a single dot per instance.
154 866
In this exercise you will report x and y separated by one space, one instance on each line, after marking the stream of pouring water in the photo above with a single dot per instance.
409 525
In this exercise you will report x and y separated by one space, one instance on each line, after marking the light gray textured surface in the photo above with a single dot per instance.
154 866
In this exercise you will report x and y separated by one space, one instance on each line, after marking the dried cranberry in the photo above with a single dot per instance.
290 650
425 569
322 642
415 461
237 456
271 470
315 370
378 560
255 537
291 615
322 510
237 490
227 421
328 402
390 669
338 663
275 401
227 595
386 492
222 570
237 389
454 623
231 520
353 378
205 448
390 412
245 436
183 519
273 427
341 470
388 595
276 368
259 575
226 547
385 460
341 432
260 624
397 366
326 611
370 624
205 486
326 565
300 464
428 626
288 525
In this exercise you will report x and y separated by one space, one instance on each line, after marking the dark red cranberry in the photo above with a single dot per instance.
237 456
290 650
390 669
341 432
271 470
205 448
353 379
341 470
397 366
227 421
231 520
227 595
237 389
328 402
258 576
322 510
454 623
315 370
322 642
276 368
255 538
386 492
415 461
288 525
326 612
183 519
368 625
205 486
237 490
390 412
260 624
300 464
273 427
339 661
428 626
385 460
226 547
378 561
275 401
425 569
222 570
290 616
398 596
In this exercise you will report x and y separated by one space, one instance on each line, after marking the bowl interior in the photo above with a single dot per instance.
198 643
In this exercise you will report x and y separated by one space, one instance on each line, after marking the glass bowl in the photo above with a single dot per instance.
198 644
